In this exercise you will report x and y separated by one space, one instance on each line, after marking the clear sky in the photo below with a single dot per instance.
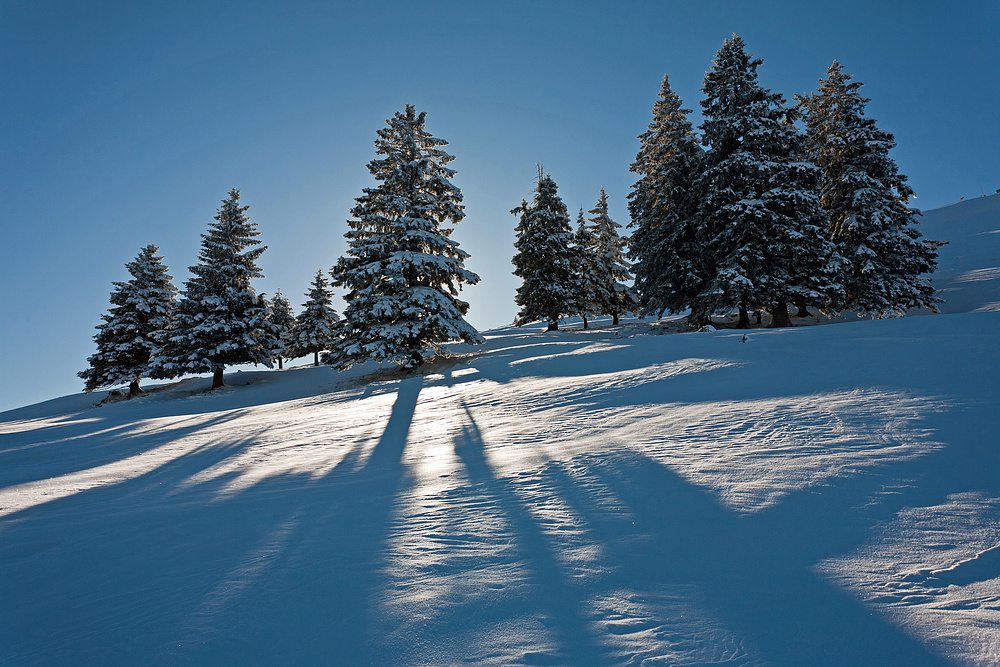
126 123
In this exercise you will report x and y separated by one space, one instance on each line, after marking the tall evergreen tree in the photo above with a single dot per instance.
282 320
611 269
759 199
126 340
315 328
544 259
220 319
666 244
402 270
866 197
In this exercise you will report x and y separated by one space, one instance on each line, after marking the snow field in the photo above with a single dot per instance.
575 498
817 496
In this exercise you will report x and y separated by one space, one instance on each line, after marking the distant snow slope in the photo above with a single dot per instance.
969 271
821 495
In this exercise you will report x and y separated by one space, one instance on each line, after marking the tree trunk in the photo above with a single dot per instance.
779 316
217 378
744 321
553 325
614 319
584 318
696 318
315 357
133 388
756 317
279 364
803 311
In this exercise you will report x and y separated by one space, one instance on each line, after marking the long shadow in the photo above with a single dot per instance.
192 398
79 448
319 602
82 578
757 571
149 571
296 577
552 592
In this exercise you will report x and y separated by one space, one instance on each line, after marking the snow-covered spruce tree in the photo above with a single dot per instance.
759 200
544 259
316 326
865 196
611 269
585 246
220 320
126 340
272 333
282 320
402 271
669 253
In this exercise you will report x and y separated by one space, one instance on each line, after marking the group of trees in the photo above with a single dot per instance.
566 273
219 319
402 274
758 213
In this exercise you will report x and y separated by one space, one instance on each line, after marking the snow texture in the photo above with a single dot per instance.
825 496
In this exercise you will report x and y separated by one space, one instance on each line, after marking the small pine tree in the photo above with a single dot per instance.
315 328
220 319
759 199
126 340
610 268
282 320
671 265
865 198
402 270
585 248
272 335
545 258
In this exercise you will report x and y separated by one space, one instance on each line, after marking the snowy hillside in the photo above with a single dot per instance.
968 276
813 496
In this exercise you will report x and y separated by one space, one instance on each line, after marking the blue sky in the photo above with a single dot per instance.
127 123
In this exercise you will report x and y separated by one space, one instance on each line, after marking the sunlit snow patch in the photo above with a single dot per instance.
752 453
936 572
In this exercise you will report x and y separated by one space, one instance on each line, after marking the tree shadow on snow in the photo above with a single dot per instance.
552 596
155 570
755 570
289 570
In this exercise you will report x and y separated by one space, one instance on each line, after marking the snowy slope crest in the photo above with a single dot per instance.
968 274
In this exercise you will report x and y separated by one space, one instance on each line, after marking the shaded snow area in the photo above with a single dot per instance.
823 495
816 496
968 274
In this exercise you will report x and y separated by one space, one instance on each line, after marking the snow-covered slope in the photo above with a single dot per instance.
823 495
968 275
814 496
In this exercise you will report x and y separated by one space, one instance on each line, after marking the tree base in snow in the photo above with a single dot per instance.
779 317
744 321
